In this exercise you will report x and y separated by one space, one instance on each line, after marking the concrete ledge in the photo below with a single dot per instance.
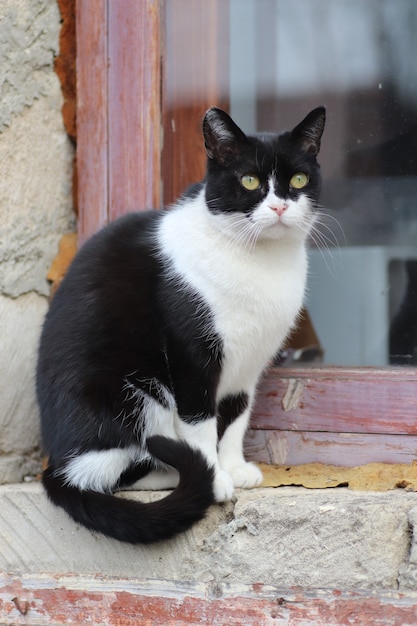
287 537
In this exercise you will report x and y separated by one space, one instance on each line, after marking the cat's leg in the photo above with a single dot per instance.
158 415
201 433
234 414
150 405
194 354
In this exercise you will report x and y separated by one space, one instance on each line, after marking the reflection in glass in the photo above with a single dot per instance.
359 59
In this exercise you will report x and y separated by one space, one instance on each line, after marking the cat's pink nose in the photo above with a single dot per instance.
279 209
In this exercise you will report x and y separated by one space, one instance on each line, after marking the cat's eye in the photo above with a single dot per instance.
299 180
250 182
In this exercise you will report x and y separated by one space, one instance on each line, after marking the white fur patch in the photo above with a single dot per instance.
201 435
99 470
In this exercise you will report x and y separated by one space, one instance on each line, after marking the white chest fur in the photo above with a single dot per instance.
254 293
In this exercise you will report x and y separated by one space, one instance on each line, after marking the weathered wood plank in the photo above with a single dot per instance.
338 400
285 447
134 100
160 603
92 136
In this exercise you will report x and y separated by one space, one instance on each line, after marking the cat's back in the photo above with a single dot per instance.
128 242
114 258
104 295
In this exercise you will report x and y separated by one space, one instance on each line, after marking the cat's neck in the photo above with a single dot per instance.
197 249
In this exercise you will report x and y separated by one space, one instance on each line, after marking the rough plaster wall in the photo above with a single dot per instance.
35 210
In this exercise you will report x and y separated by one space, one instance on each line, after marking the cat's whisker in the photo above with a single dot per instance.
246 235
328 240
321 220
212 201
235 232
241 231
249 236
325 240
337 223
322 244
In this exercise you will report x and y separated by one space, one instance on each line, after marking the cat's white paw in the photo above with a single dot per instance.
246 475
223 486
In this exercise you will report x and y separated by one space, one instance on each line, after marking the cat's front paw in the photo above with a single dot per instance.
223 486
246 475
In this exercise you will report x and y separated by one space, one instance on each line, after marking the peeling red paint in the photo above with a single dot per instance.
255 605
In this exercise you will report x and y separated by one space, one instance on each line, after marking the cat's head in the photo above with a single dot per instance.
263 186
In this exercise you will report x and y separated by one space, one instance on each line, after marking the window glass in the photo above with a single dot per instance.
359 59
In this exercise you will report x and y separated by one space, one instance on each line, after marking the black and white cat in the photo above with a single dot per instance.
155 341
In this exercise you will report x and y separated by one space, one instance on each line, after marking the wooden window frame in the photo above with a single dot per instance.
345 416
115 41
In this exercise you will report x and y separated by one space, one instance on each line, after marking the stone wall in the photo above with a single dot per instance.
35 210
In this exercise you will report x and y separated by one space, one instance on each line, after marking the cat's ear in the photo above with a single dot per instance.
222 137
308 132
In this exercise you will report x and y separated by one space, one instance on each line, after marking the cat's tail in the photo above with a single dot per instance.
138 522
